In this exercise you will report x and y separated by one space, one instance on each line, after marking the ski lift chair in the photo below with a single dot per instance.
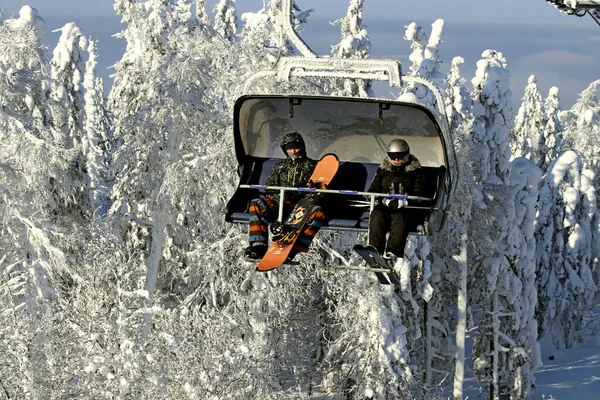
357 130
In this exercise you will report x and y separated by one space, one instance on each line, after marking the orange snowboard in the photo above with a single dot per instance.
323 173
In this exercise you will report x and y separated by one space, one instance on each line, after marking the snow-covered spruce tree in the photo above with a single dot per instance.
97 143
425 60
566 231
68 68
174 177
42 240
26 69
263 40
551 143
492 110
528 123
582 127
448 253
201 14
68 110
31 264
355 43
36 272
277 37
495 281
225 22
367 338
458 100
450 272
522 358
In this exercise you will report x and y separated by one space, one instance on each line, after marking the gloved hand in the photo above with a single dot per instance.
394 203
391 203
312 184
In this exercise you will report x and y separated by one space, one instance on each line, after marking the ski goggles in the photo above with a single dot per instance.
398 156
292 145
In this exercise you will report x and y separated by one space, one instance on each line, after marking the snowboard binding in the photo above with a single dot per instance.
282 233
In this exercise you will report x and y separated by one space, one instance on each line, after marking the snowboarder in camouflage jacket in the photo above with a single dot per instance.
293 171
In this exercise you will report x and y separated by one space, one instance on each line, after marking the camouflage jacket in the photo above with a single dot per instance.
290 173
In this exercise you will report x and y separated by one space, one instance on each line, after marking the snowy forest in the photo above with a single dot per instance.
119 277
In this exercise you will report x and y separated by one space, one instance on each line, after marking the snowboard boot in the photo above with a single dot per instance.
255 251
390 258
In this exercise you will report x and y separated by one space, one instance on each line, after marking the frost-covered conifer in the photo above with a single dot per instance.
97 143
458 100
36 271
68 68
551 142
495 284
25 68
449 248
263 37
201 14
225 19
367 332
184 12
425 60
566 231
355 44
528 123
492 111
582 127
524 358
418 38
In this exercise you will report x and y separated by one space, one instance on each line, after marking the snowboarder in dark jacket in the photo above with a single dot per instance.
294 171
399 173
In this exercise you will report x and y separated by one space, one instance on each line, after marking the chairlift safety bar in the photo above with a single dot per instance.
283 189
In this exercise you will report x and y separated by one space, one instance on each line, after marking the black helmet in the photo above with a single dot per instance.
293 139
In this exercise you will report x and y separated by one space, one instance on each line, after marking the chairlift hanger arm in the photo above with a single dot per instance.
579 8
288 68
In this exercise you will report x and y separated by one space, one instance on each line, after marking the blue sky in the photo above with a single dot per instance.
536 39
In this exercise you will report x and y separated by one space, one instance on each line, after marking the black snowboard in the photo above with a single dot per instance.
374 260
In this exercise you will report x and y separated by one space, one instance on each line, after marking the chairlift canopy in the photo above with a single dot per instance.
356 130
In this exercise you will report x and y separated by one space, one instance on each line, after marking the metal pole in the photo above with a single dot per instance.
281 202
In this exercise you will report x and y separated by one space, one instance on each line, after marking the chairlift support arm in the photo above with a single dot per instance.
288 68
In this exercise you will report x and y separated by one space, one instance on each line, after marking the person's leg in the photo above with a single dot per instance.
378 226
261 212
398 233
313 224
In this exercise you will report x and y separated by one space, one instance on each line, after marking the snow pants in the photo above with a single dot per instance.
395 221
265 210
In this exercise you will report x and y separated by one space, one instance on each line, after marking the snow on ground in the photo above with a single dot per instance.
570 375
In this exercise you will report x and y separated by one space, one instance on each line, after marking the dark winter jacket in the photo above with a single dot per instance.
291 173
409 176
